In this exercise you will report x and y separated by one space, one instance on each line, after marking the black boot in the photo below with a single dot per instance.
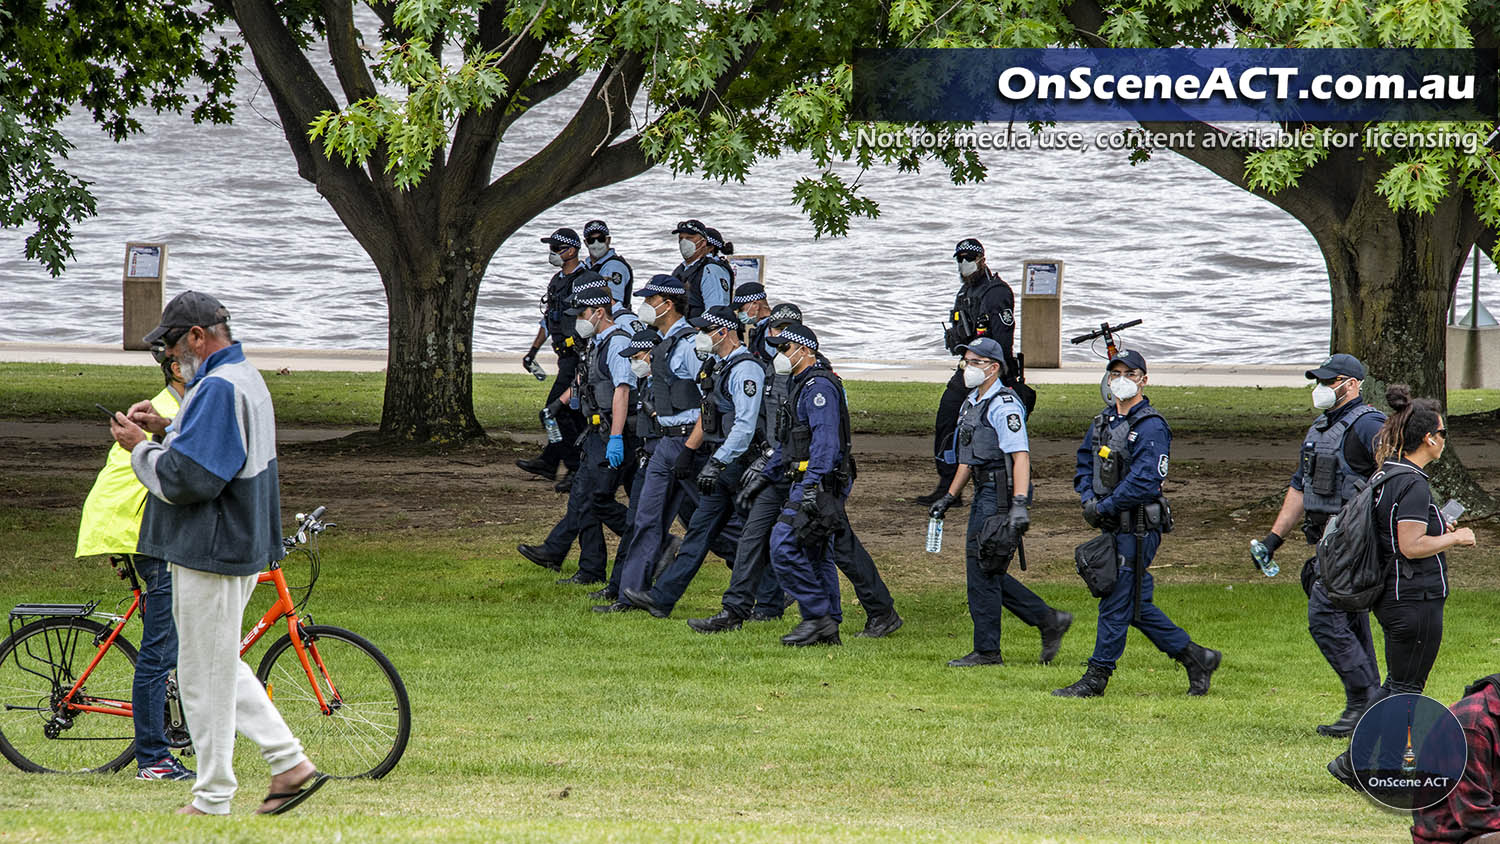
1052 634
721 623
879 626
535 554
1355 703
814 631
1343 771
1200 663
1091 684
539 467
973 658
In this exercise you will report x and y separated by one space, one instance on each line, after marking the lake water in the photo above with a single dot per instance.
1217 274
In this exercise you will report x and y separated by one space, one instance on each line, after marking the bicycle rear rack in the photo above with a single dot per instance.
23 612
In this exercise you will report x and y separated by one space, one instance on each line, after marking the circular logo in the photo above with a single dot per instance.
1408 752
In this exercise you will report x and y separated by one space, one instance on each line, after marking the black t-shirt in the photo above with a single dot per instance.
1408 498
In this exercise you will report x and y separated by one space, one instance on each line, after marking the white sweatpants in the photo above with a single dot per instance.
219 691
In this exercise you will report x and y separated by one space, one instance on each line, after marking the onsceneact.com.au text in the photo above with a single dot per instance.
1254 83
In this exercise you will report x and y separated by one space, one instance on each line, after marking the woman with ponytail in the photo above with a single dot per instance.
1412 537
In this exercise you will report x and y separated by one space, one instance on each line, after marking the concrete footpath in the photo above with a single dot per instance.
934 370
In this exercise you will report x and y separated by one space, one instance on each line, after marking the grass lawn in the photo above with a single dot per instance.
538 720
510 402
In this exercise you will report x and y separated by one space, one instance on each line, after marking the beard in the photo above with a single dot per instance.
187 365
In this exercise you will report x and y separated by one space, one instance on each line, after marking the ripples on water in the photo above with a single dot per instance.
1218 275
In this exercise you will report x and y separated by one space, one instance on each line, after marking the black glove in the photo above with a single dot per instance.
1091 513
1020 515
530 357
749 490
1273 542
809 503
708 479
683 468
940 507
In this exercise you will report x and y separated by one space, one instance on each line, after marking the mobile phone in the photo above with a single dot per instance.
1451 512
107 411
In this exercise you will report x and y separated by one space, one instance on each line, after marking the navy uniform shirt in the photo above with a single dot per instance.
1359 441
1151 442
991 304
818 406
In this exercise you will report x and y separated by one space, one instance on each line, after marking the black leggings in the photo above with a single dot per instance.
1413 632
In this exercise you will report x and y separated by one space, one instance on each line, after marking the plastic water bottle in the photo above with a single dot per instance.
536 369
934 535
1263 559
554 433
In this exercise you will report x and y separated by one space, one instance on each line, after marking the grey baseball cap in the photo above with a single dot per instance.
187 309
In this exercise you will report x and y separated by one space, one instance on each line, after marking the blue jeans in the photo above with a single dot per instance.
158 656
1117 609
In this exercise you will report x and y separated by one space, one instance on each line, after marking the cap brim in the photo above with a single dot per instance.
1320 374
156 334
628 352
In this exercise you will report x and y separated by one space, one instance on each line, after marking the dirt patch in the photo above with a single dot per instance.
1225 492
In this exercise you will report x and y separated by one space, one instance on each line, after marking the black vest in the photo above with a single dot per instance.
671 395
597 396
554 306
717 413
795 435
692 281
1327 478
1112 448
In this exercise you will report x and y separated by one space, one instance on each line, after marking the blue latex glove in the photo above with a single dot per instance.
615 451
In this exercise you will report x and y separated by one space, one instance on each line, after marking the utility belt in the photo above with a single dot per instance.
835 482
993 475
1155 516
675 430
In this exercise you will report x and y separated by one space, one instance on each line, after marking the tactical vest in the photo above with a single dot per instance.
671 395
629 274
717 413
598 394
978 441
964 321
555 304
795 435
1327 478
692 281
1112 448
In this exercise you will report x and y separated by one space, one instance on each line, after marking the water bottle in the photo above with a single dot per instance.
1263 559
554 433
536 369
934 535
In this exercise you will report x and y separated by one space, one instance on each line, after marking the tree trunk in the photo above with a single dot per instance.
429 384
1392 274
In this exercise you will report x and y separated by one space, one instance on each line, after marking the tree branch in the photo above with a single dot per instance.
343 48
477 137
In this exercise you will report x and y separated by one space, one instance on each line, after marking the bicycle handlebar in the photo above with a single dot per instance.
1104 330
308 522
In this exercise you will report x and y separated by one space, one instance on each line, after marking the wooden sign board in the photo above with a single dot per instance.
748 268
144 281
1041 312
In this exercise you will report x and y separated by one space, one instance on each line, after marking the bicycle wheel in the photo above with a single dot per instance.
365 730
38 665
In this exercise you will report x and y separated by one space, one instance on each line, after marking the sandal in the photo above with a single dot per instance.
295 798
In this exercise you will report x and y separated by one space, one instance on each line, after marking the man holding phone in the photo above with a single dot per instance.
111 524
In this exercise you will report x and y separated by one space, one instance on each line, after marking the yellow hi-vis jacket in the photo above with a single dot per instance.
112 512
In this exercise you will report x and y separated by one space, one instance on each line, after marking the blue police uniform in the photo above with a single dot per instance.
708 282
991 428
730 418
616 271
814 449
676 403
591 499
1150 445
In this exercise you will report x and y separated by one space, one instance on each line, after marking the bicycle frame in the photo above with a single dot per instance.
283 607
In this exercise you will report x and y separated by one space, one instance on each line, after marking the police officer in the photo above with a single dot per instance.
754 312
706 278
556 325
814 451
992 447
637 353
606 262
730 423
1338 455
984 307
676 404
1121 466
604 390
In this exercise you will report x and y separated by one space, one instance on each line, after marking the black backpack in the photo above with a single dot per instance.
1353 570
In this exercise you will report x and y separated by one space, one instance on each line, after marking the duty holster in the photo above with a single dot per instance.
814 530
997 544
1098 564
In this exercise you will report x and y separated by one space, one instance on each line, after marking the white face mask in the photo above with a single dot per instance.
597 250
703 344
781 365
583 328
648 313
687 248
1324 397
967 268
640 368
1122 388
973 376
555 259
746 319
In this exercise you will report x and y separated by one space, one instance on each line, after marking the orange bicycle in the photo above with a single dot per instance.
65 681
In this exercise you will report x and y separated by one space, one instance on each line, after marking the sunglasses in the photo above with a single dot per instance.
558 247
596 238
1442 432
966 256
